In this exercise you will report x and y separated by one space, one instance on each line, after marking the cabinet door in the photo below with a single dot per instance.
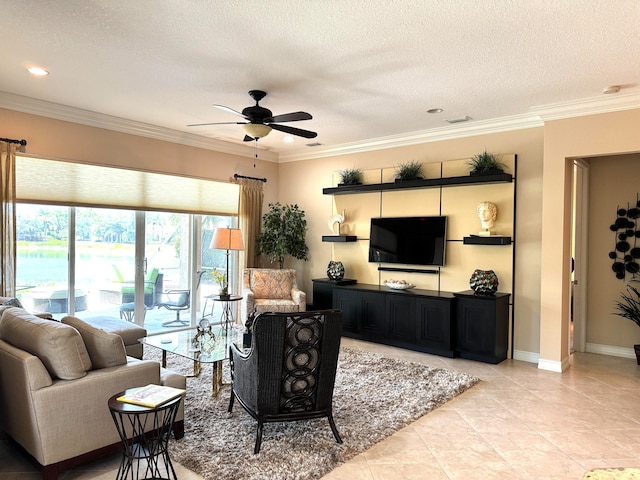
434 325
322 295
401 322
372 315
476 327
349 302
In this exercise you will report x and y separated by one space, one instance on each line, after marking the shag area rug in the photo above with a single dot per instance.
374 397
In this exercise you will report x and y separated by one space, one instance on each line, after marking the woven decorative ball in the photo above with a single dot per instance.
484 282
335 270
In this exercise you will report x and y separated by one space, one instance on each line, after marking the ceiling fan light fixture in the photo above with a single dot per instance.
256 130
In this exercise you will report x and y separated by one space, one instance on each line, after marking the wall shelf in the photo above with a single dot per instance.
339 238
416 184
477 240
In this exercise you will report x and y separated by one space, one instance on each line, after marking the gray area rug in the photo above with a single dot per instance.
373 398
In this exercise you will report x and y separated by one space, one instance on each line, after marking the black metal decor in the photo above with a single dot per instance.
626 254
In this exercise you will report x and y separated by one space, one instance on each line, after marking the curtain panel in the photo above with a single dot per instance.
8 219
250 218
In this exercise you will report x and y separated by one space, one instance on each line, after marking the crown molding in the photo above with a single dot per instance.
473 128
587 106
536 118
93 119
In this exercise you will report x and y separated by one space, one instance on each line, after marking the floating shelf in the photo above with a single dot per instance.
339 238
417 184
496 240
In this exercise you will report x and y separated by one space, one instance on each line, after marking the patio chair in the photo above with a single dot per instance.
290 370
175 300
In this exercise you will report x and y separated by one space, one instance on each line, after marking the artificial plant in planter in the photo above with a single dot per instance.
629 307
409 171
350 176
283 233
485 163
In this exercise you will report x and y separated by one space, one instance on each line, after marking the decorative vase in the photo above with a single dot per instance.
484 282
335 270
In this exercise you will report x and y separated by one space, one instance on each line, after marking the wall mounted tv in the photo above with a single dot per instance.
408 240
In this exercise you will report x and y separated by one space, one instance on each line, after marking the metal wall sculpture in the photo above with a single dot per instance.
626 254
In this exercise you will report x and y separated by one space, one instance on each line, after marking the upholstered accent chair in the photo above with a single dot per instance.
289 371
271 290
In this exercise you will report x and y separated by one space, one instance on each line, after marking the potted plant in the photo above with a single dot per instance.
629 307
485 163
350 176
409 171
221 279
283 231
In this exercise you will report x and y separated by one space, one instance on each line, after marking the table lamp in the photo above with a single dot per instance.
227 239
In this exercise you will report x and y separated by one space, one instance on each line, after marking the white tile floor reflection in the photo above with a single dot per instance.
518 423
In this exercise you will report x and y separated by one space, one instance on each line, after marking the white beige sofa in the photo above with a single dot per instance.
55 380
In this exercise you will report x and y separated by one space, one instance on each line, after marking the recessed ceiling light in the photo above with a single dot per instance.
611 89
435 110
288 139
40 72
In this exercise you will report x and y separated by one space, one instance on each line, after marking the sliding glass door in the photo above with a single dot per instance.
94 273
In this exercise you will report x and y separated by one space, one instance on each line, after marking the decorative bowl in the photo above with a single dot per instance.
399 285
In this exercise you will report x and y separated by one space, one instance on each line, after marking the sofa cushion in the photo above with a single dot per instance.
269 283
60 347
105 349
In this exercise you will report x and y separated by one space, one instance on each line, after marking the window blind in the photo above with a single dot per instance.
76 184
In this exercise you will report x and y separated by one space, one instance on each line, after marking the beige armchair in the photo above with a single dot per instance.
271 290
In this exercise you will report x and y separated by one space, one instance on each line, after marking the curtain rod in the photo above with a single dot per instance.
22 142
236 176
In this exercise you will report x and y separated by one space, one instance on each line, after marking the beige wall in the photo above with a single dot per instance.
543 221
564 140
302 183
614 183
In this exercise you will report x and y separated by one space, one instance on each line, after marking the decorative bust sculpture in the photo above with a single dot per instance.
487 212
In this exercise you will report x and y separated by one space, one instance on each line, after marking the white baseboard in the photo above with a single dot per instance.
524 356
610 350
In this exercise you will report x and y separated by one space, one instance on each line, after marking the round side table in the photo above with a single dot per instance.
145 433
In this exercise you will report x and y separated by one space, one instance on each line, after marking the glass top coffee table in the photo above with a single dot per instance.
203 344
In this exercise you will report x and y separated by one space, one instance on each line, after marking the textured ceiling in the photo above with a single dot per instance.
365 70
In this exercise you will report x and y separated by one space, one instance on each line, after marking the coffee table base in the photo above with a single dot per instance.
216 377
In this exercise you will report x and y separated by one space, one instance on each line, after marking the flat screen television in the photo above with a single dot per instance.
408 240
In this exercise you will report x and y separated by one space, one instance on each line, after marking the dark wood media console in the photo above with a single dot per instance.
441 323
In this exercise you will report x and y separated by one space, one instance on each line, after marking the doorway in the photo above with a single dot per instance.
580 220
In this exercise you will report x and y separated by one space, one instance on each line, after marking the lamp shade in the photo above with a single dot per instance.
227 239
256 130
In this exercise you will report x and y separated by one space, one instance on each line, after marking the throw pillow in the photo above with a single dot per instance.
12 302
105 349
59 347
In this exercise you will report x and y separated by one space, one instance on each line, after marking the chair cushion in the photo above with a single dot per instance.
271 283
105 349
60 347
276 305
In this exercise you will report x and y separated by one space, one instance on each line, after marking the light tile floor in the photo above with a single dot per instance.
519 422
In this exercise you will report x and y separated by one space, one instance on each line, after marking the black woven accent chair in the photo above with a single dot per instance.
289 372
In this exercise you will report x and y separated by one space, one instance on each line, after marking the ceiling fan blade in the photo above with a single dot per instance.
215 123
290 117
294 131
231 110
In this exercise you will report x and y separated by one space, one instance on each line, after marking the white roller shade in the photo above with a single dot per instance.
77 184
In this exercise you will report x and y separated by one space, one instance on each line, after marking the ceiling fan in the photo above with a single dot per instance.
260 121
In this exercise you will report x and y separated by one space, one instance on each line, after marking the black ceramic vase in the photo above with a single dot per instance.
335 270
484 282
